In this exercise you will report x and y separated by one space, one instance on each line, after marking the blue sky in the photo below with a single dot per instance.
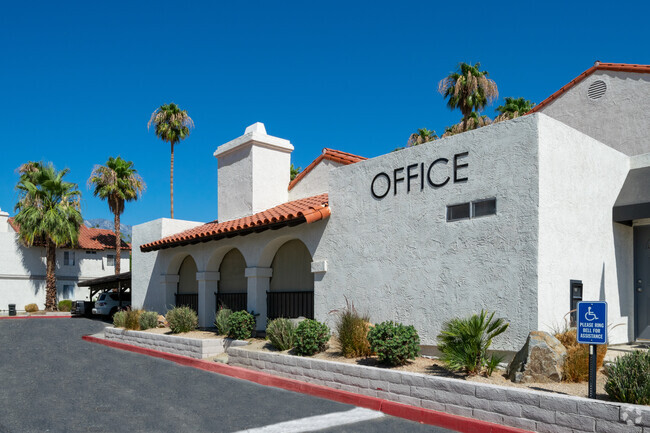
79 80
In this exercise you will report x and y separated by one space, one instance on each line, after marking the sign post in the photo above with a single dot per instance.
591 319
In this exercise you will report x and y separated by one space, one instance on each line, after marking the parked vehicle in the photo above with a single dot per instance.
108 303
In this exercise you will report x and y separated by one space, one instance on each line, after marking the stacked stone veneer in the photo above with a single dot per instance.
516 407
193 347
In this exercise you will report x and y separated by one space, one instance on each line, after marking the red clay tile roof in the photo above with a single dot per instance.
331 154
620 67
90 238
295 212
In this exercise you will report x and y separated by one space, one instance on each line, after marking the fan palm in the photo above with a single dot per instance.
468 88
48 213
171 124
117 182
513 108
464 342
422 136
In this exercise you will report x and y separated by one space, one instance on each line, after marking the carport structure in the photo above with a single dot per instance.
120 283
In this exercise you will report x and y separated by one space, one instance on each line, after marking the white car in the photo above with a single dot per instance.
108 303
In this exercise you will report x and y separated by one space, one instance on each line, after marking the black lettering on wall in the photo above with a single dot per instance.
372 185
410 176
397 179
421 176
431 182
458 166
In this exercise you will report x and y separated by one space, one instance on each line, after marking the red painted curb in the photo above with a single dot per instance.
34 317
418 414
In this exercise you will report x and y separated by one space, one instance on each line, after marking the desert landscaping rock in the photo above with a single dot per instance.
541 360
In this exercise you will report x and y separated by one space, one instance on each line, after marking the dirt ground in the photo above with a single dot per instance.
426 365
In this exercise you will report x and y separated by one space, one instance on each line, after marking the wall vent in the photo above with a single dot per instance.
597 89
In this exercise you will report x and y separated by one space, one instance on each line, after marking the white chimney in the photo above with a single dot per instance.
253 173
4 221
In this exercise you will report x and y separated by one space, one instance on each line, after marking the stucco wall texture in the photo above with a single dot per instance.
580 179
612 118
397 258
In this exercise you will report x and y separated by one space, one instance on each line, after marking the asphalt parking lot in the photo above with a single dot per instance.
51 380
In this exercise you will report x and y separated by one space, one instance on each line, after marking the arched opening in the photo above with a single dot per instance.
188 286
233 285
291 291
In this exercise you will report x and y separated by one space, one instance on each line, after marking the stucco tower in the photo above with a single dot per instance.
253 173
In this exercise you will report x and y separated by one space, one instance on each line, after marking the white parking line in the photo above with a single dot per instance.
319 422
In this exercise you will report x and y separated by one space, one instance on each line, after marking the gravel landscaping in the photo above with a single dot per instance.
435 367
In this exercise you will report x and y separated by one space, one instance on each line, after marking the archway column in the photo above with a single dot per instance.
207 287
170 286
259 282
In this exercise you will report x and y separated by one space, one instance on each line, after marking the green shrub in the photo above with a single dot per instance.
31 308
394 343
182 319
148 320
281 333
352 330
240 325
119 319
464 342
221 322
65 305
311 337
628 378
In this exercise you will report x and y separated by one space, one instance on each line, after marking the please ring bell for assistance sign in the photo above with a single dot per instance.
592 330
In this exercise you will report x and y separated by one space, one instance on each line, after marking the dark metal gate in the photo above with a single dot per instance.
188 300
232 301
290 304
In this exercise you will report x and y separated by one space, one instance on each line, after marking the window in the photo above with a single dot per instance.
68 258
474 209
484 207
91 252
110 260
458 212
67 289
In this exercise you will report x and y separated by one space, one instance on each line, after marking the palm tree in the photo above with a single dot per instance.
294 171
474 121
117 182
171 124
513 108
48 213
422 136
468 88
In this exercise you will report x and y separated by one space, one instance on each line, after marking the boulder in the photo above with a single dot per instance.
162 322
540 360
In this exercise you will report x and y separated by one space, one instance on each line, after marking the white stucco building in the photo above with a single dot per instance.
523 217
22 269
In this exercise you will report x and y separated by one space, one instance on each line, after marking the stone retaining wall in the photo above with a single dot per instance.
529 410
192 347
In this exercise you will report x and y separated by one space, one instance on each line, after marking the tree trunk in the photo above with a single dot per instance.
118 243
50 279
171 181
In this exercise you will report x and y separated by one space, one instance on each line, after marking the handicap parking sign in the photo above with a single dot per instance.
592 322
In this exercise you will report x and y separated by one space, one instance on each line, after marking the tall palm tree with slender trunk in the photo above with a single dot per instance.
468 89
48 214
116 182
171 124
513 108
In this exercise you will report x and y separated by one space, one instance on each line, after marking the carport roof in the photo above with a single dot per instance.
292 213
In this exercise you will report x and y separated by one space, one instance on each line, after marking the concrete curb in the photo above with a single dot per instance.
418 414
34 317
